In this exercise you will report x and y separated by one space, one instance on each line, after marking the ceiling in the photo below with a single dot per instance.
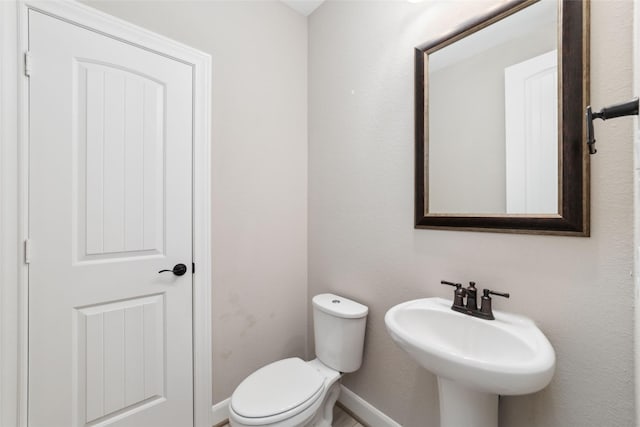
304 7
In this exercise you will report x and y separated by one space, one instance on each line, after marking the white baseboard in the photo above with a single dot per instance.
372 416
220 412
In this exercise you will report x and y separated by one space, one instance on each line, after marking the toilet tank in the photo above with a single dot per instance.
338 325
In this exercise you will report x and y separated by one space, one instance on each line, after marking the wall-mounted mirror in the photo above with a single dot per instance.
499 122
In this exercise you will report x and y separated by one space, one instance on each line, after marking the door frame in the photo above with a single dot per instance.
14 214
636 210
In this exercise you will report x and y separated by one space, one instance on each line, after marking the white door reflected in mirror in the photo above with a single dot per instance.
531 135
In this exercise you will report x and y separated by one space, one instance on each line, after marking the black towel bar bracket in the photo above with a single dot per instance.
629 108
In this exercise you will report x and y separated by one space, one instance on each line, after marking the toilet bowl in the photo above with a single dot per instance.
286 393
294 393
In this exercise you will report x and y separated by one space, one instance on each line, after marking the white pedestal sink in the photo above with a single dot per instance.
475 359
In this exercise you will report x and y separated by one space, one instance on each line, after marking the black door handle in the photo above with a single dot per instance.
178 270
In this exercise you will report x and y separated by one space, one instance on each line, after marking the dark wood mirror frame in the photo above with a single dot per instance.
573 217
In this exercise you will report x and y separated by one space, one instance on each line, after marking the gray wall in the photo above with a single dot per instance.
259 149
362 243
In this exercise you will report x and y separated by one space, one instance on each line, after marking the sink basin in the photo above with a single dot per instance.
508 355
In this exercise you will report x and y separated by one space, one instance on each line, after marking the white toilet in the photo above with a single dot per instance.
295 393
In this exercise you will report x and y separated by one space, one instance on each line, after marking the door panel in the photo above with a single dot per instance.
531 132
122 354
110 199
122 161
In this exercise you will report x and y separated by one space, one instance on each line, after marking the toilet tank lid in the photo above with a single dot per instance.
340 306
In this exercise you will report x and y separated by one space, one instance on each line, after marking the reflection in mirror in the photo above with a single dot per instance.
493 109
499 122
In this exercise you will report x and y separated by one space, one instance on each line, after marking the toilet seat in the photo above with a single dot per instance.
276 392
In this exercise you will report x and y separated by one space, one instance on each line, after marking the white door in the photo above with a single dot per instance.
110 200
531 133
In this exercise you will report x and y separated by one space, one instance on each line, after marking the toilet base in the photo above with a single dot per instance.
324 416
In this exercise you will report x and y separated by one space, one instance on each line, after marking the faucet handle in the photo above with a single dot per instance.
487 292
486 311
458 295
455 285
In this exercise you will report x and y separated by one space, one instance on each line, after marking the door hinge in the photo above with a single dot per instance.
28 64
193 268
27 251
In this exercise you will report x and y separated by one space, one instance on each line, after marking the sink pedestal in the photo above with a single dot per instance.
462 406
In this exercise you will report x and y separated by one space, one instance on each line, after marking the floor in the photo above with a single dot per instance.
343 419
340 419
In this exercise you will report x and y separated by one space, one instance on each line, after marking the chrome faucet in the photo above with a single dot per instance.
471 305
